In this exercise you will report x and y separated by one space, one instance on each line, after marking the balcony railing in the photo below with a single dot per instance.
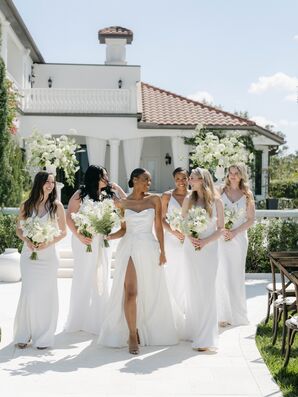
69 100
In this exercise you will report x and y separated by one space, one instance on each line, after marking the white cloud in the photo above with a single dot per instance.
262 121
278 81
291 97
295 37
202 96
287 123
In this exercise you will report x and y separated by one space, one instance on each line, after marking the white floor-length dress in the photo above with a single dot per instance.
155 320
201 268
231 297
175 270
90 286
37 312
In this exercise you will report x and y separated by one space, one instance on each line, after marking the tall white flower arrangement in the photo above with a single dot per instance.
212 152
46 151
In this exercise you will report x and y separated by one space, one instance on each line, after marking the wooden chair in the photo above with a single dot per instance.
283 304
274 289
292 323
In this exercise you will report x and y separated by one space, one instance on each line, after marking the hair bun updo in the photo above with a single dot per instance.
135 174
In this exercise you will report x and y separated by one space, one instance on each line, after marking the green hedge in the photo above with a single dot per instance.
273 234
8 238
284 188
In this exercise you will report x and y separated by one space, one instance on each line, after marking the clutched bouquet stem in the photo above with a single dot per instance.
231 216
195 223
39 232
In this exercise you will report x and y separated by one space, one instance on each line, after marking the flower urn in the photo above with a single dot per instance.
219 174
10 265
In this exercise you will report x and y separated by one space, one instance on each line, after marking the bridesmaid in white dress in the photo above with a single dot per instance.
233 246
201 262
139 308
37 312
90 283
175 271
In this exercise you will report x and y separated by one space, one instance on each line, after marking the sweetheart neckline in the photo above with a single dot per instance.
138 212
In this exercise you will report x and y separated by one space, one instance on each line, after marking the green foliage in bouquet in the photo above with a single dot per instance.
104 225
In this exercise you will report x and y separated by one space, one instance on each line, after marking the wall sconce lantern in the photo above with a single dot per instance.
31 77
119 83
50 82
168 159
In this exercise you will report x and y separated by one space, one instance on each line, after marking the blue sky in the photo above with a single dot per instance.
242 55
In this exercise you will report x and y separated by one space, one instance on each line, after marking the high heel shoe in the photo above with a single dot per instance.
133 347
22 345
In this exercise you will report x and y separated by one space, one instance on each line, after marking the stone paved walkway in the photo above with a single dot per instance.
76 367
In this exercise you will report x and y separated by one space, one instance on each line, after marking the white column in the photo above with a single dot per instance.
26 71
132 149
265 165
4 40
96 149
180 152
114 159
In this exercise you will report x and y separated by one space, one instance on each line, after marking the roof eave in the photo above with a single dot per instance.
12 15
279 140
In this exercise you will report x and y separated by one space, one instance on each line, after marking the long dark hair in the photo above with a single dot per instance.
37 195
94 174
135 174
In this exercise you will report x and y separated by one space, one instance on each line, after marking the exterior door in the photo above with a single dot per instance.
152 165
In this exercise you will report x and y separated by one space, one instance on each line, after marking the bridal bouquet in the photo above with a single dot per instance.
39 232
231 216
104 217
196 222
82 220
175 220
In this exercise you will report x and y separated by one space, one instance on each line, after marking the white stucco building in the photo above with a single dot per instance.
123 122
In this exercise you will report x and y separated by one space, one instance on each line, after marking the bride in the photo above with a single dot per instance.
139 308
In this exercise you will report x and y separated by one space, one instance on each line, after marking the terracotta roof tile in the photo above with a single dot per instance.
165 109
115 32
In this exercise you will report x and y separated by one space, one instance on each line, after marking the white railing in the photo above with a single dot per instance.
277 214
73 100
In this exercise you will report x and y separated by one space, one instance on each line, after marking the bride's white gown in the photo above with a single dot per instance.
155 321
201 268
37 312
231 273
175 270
90 286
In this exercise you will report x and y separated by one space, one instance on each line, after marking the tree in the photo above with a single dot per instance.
12 169
284 167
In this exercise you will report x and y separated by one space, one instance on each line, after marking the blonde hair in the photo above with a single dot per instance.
209 193
243 183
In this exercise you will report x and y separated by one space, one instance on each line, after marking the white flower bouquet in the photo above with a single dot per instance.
39 232
104 217
44 151
232 215
196 222
82 220
175 220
